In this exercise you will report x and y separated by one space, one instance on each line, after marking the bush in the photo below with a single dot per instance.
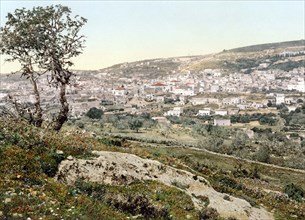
135 124
80 124
208 214
228 182
95 113
294 192
37 147
263 154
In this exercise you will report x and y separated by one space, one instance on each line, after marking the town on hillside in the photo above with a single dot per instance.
211 92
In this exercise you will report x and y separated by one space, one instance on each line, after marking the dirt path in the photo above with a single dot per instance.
222 155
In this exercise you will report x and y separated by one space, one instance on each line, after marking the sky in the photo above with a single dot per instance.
126 31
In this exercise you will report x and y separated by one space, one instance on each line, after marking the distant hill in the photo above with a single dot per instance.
260 47
244 59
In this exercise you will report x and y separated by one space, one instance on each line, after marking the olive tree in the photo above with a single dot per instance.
135 124
20 40
46 38
95 113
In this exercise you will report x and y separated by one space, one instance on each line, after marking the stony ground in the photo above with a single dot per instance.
121 168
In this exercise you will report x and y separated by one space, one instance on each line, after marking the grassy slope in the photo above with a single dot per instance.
216 168
29 160
27 189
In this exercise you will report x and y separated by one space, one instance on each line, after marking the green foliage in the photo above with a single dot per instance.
202 130
29 155
40 144
263 154
106 102
288 66
149 199
179 185
268 118
47 38
240 140
208 214
169 100
269 104
174 119
135 124
295 119
212 143
36 195
240 118
261 130
95 113
294 191
112 142
80 124
229 182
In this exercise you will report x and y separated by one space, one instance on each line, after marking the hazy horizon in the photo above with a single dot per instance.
126 31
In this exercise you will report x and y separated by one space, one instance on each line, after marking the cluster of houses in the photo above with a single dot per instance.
136 95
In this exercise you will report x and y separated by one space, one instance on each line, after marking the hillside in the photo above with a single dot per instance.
99 177
180 168
260 47
239 59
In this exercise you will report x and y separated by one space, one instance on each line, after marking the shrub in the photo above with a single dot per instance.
135 124
226 197
95 113
80 124
263 154
228 182
138 204
179 185
294 192
208 214
204 199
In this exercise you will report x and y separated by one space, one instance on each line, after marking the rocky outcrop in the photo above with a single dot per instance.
122 168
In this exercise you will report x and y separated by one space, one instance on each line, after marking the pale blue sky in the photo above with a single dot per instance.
124 31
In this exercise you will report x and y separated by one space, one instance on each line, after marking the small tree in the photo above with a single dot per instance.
294 191
240 140
95 113
46 38
263 154
269 104
61 42
135 124
19 40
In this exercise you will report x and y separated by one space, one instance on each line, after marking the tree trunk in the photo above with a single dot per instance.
38 110
64 108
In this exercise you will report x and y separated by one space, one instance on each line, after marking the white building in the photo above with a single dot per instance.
119 91
177 111
222 112
159 99
185 91
298 86
3 96
214 88
204 112
199 101
292 108
280 99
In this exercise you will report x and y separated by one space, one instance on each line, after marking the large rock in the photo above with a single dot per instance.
122 168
